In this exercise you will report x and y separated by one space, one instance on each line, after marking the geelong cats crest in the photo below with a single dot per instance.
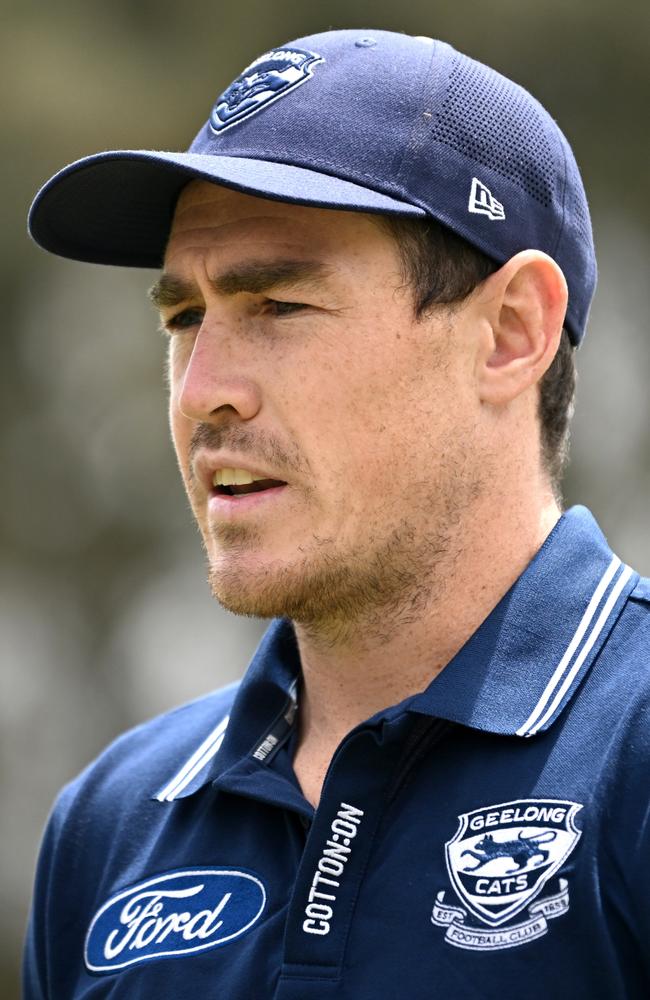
499 861
266 80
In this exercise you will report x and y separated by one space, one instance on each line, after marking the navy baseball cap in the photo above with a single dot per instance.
368 121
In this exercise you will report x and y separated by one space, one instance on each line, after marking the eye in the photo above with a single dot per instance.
183 320
279 308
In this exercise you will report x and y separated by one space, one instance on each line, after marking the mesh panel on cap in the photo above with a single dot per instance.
491 120
577 208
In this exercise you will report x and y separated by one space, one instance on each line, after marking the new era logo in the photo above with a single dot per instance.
483 202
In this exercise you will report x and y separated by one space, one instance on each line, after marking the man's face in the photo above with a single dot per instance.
295 355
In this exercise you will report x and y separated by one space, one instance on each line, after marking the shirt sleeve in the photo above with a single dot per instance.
41 935
640 876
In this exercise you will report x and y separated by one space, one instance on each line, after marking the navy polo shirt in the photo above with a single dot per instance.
488 837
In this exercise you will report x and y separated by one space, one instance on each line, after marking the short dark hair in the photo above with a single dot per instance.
442 269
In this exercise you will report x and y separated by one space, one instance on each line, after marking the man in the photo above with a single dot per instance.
433 779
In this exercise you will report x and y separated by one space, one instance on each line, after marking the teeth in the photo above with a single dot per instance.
234 477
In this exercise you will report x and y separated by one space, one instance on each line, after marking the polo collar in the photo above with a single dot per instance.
514 676
261 717
521 668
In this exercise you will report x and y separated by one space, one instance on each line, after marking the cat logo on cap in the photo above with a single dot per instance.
266 80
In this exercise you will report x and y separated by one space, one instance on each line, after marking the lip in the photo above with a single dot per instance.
223 507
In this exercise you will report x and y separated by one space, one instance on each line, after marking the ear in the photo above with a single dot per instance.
524 303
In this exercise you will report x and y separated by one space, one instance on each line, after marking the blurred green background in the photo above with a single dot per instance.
105 618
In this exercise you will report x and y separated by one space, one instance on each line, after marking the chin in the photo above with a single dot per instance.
247 577
320 589
265 592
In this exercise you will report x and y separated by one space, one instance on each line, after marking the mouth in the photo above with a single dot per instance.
257 487
239 483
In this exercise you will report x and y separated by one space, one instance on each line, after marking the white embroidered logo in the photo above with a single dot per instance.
331 866
499 860
267 79
178 913
483 202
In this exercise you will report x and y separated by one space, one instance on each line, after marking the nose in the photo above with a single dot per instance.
217 377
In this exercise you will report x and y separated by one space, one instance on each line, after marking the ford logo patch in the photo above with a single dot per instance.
179 913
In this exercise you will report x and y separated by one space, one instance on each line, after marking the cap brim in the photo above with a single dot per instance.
117 207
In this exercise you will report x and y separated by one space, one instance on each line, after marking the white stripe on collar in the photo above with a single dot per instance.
566 670
199 759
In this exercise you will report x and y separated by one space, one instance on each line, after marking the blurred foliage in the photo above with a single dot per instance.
99 554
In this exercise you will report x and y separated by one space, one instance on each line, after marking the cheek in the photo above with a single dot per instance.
354 429
179 425
181 433
396 425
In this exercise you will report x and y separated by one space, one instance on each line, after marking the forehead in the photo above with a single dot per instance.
210 217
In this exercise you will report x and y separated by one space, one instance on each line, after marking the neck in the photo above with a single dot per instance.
349 678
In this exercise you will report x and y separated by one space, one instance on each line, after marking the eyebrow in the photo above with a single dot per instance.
254 277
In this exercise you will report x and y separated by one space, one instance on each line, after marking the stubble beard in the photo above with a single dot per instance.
333 592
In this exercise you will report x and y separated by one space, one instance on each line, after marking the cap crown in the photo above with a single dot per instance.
371 122
414 119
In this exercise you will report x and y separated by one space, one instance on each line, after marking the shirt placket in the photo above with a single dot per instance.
359 786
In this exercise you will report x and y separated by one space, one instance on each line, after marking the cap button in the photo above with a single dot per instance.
365 43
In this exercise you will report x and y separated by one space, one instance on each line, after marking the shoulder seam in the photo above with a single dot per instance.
641 591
